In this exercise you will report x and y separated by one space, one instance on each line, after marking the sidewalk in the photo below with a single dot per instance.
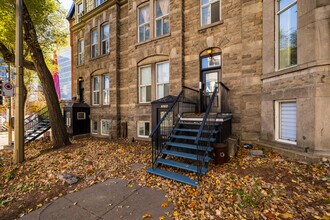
112 199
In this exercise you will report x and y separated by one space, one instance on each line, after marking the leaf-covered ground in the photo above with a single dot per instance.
245 188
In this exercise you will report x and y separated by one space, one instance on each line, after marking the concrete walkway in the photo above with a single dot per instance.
112 199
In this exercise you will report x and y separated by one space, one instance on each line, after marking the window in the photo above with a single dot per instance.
211 61
96 90
105 127
144 23
94 127
98 2
68 119
80 8
286 121
145 84
81 115
80 52
162 17
143 129
210 11
105 34
287 33
163 78
94 43
106 87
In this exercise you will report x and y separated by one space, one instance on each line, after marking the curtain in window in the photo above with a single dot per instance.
144 13
164 6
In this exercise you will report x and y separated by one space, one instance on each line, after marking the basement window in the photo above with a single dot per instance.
94 127
286 121
143 129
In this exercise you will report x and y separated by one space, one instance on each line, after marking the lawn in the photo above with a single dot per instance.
268 187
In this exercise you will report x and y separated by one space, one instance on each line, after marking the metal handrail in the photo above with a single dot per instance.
32 117
206 115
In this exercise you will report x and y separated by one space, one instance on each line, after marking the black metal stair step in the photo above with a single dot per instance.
183 166
190 146
196 123
195 130
186 155
185 137
173 176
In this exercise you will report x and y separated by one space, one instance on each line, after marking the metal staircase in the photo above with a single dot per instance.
36 125
187 146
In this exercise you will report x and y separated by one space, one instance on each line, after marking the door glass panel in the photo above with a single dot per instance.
210 81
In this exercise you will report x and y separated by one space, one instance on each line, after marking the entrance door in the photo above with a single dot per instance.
210 82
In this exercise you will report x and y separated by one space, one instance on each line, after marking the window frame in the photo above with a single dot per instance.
147 4
156 83
96 91
105 90
278 12
81 52
138 129
92 127
107 40
210 6
162 19
94 45
146 85
97 3
101 127
278 121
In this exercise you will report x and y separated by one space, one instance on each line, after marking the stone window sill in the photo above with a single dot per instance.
204 28
99 57
152 40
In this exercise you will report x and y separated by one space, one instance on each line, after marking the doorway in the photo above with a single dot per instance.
210 77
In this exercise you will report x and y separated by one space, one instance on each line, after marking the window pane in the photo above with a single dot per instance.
163 72
106 82
162 7
148 92
166 89
215 8
141 33
147 128
96 83
144 15
160 91
166 25
94 37
105 31
147 32
206 15
141 128
285 3
288 37
205 2
159 27
143 94
145 77
288 121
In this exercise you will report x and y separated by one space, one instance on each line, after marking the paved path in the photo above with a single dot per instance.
113 199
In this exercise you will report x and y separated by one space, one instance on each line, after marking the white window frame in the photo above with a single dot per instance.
95 45
157 84
105 102
96 91
144 24
278 123
105 40
162 19
138 128
140 86
104 120
209 6
92 127
277 31
81 51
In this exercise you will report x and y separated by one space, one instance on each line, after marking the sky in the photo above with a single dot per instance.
66 4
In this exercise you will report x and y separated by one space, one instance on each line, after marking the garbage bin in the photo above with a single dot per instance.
221 153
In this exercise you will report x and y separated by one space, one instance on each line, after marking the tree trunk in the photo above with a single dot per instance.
60 136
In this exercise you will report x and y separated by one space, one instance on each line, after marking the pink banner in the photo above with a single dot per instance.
56 77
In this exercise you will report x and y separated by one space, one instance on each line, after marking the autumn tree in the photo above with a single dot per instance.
44 29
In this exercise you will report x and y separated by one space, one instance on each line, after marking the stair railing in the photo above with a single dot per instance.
165 127
36 118
208 123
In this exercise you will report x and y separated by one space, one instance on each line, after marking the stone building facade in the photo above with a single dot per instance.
168 41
